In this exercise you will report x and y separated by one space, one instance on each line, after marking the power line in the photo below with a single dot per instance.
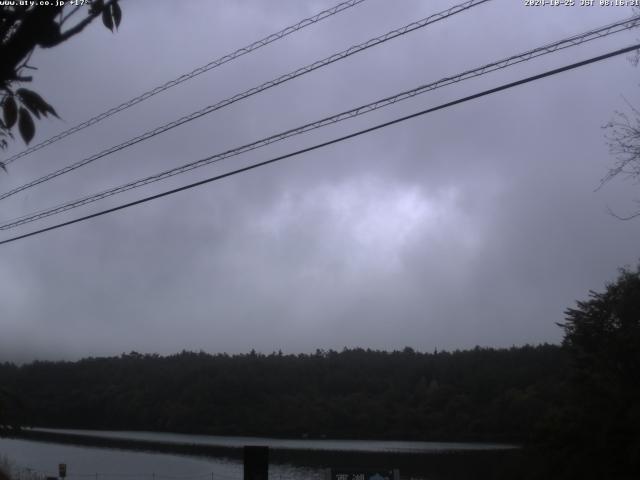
253 91
361 110
188 76
335 140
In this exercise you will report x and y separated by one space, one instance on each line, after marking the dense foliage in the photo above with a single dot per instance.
476 394
597 433
25 26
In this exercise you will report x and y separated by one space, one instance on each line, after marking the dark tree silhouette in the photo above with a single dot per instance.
11 410
603 334
598 434
475 394
22 29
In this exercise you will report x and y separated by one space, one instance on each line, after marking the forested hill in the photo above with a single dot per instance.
484 394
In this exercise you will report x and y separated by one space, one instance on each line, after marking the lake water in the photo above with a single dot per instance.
295 444
88 463
97 463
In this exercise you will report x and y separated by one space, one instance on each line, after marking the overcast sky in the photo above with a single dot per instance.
475 225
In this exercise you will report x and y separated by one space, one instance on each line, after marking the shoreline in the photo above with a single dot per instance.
406 461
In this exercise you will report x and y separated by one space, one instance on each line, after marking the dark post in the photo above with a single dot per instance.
256 463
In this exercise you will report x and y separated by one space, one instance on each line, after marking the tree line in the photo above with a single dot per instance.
575 406
484 393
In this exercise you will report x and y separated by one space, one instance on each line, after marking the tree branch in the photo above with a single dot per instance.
619 217
35 26
70 14
81 25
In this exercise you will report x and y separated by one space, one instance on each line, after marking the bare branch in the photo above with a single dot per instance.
620 217
623 140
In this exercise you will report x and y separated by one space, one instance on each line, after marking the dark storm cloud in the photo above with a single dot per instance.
475 225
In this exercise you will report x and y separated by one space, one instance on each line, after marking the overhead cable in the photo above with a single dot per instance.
354 112
188 76
331 142
253 91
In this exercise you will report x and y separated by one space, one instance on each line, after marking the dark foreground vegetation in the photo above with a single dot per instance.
576 407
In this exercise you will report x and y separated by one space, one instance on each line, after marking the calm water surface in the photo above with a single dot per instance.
89 463
96 463
336 445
